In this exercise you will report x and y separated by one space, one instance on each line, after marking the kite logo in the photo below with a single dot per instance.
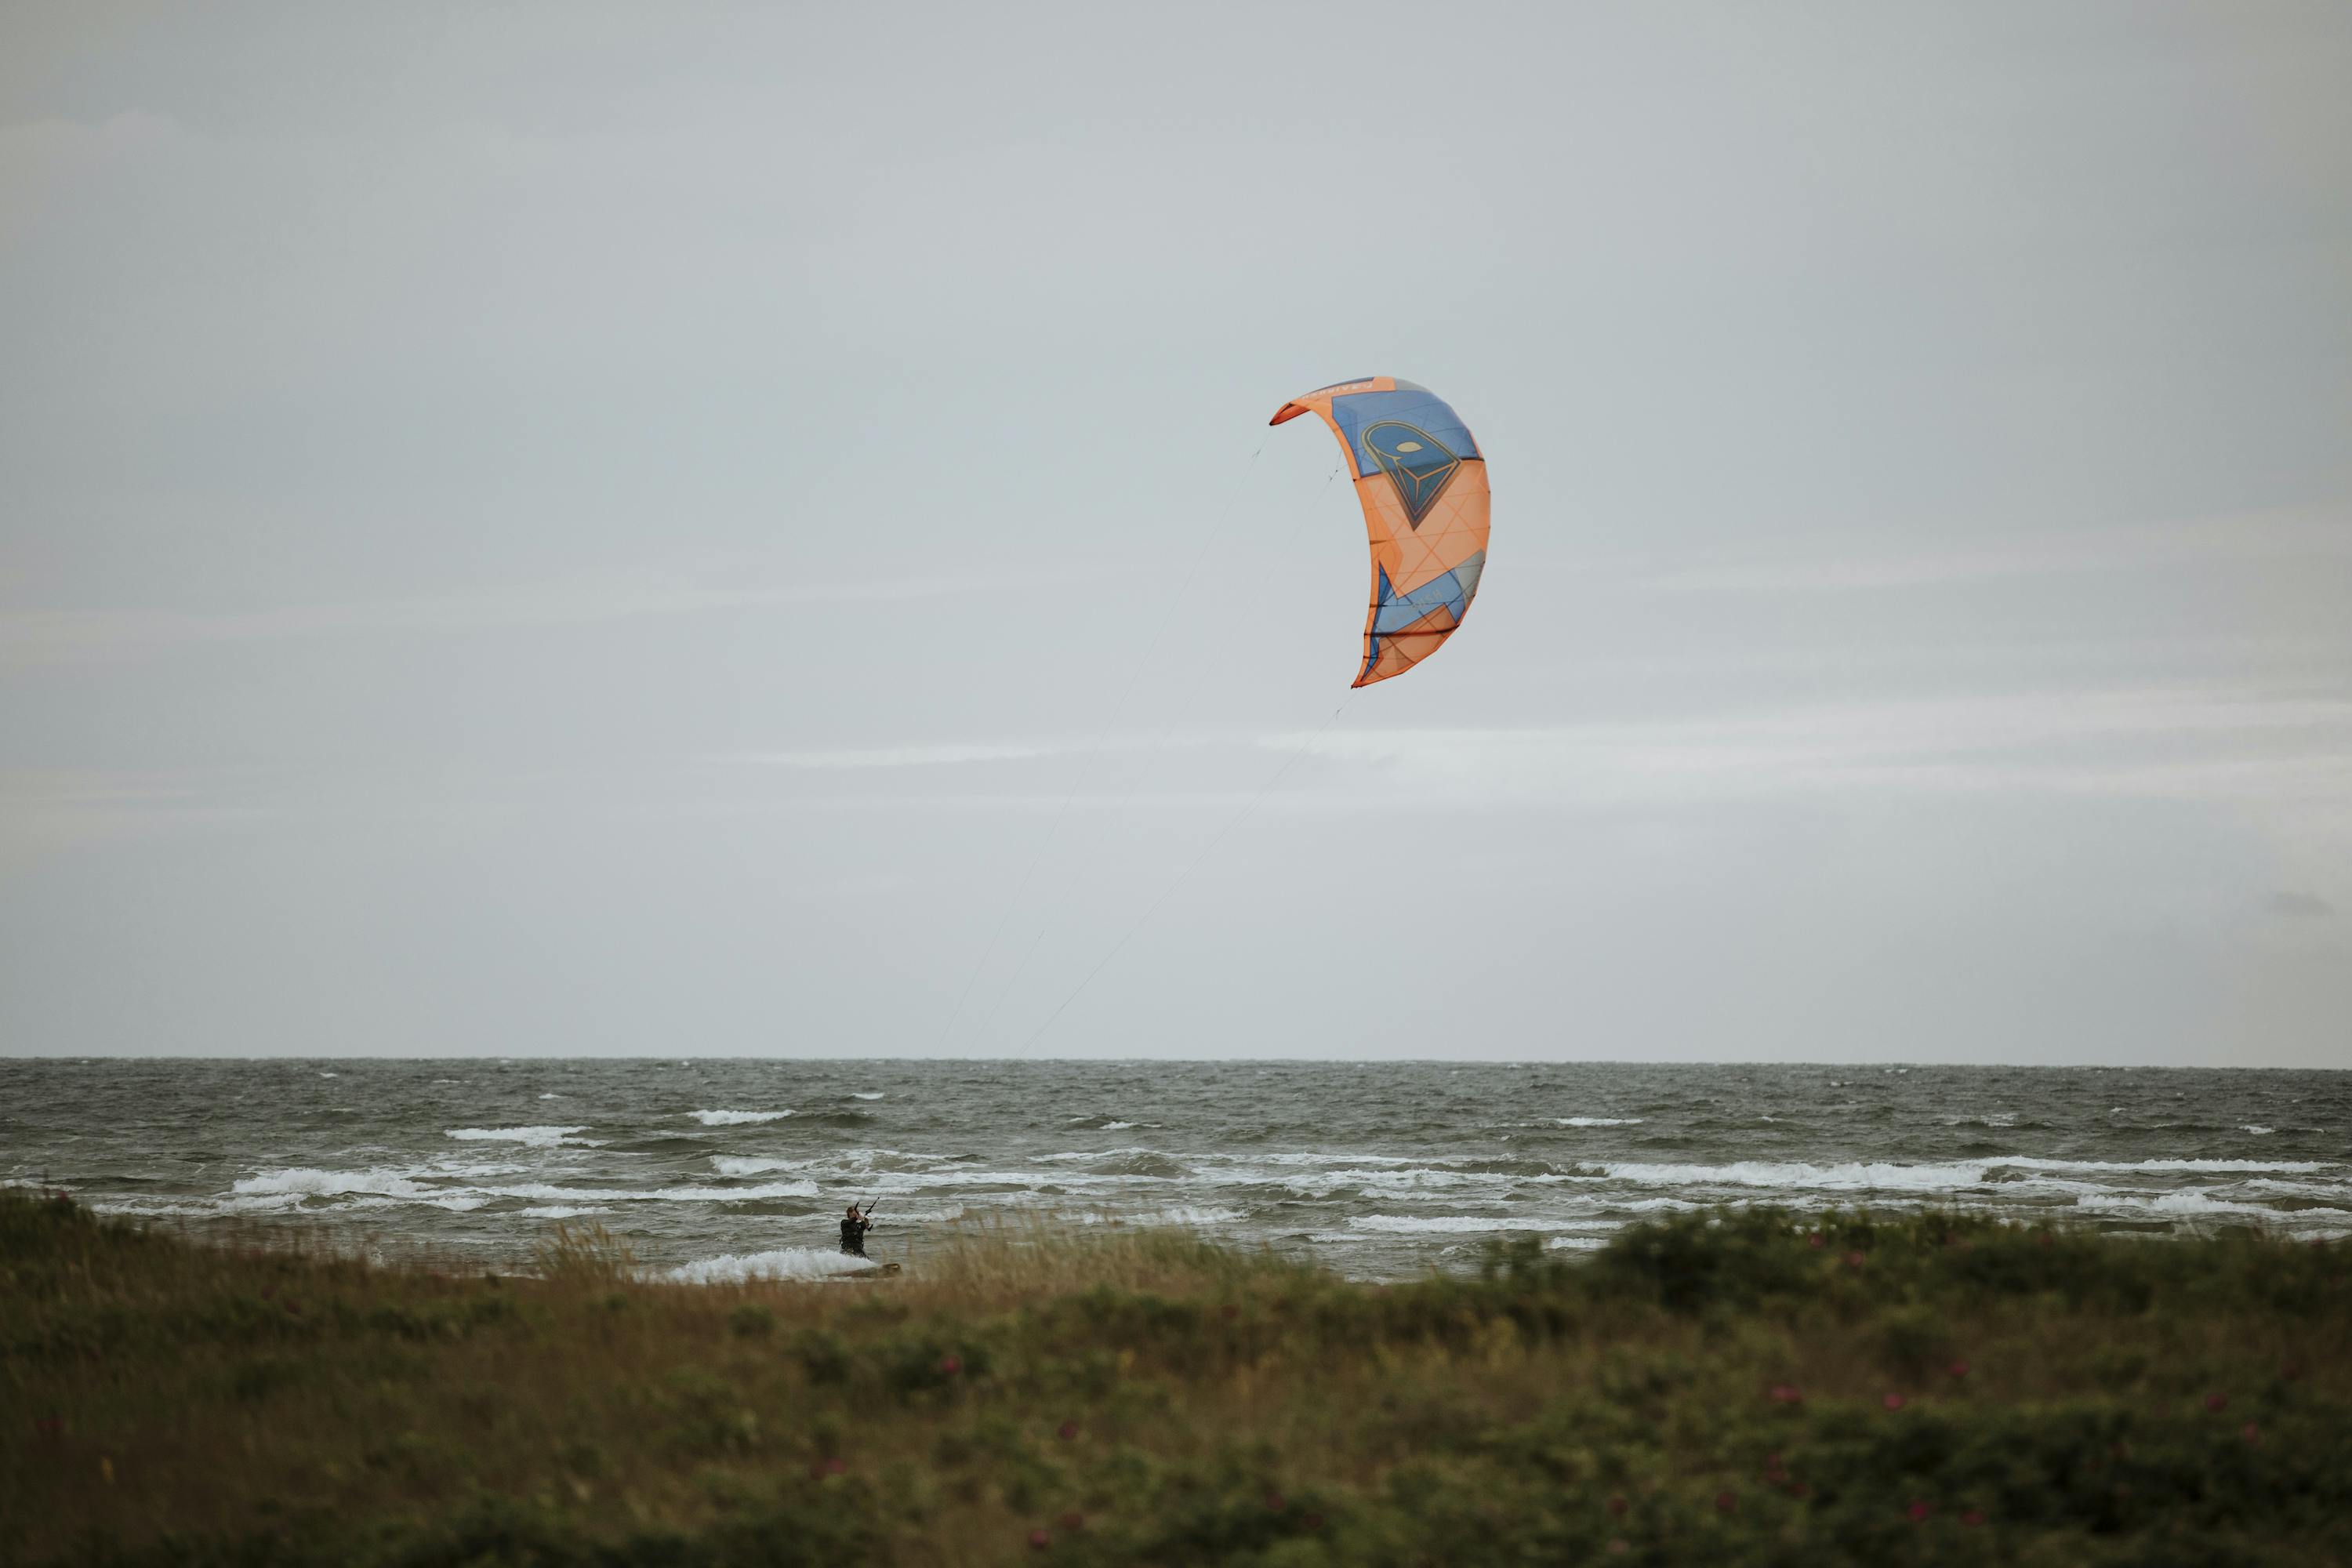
1416 462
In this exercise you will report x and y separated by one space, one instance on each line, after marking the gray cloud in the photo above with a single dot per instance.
591 527
2299 906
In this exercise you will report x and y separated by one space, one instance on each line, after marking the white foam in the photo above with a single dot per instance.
920 1216
1849 1177
305 1182
1342 1159
560 1211
1181 1214
785 1263
2199 1203
745 1165
553 1097
1454 1224
2285 1167
1119 1126
455 1202
1576 1243
534 1137
1396 1183
657 1194
855 1095
2297 1189
2257 1131
736 1118
1602 1121
1876 1176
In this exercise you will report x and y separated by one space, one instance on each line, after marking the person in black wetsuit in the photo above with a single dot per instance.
853 1232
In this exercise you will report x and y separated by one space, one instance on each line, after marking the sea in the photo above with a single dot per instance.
726 1169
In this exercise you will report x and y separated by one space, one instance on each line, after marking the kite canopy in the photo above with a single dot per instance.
1422 485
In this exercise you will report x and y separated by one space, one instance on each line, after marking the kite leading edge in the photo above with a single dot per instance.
1422 482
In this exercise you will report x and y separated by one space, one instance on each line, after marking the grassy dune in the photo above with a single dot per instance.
1750 1389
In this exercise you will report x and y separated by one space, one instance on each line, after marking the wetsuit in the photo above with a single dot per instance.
852 1236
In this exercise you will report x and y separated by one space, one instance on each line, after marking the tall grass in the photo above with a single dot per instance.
1740 1388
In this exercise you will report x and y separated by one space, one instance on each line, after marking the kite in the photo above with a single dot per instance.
1422 485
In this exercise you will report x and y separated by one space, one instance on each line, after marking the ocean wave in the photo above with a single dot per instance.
745 1165
561 1211
1342 1159
455 1202
736 1118
306 1182
1399 1183
655 1195
854 1095
1179 1214
532 1137
2258 1132
2195 1203
2161 1166
1848 1177
1887 1176
920 1216
1455 1225
784 1263
1598 1121
2297 1189
194 1208
1575 1243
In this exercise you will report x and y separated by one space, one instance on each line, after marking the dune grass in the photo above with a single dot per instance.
1749 1387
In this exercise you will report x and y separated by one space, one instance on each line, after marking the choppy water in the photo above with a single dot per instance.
711 1167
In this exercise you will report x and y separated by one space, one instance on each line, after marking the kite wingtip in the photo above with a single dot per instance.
1286 412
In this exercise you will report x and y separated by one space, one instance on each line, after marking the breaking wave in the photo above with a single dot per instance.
785 1263
531 1137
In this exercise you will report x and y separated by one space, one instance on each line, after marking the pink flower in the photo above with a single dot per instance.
2250 1433
1853 1261
1817 1241
951 1365
1920 1511
1960 1369
1893 1402
1786 1393
2217 1402
1067 1431
1040 1538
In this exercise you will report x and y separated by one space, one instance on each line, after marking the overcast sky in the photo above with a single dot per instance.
641 529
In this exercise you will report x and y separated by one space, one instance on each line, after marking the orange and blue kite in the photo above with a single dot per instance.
1422 485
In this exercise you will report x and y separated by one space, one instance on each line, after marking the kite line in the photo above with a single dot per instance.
1085 769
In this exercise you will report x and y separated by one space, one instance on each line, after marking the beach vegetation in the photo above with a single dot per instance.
1749 1386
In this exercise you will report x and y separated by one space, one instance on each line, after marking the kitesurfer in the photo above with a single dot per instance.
854 1227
